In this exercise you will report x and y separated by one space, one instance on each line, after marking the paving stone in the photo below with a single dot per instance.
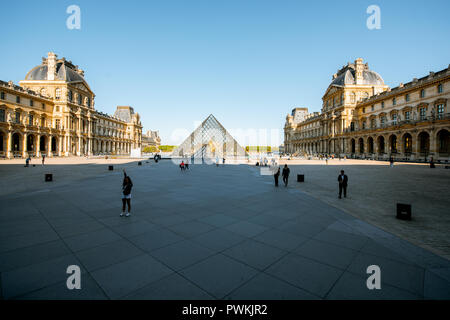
218 275
123 278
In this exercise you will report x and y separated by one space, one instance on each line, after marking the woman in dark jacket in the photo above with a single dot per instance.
126 189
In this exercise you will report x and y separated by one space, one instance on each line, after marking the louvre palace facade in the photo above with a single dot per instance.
361 117
51 112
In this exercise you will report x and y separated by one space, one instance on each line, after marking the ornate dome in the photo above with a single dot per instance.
347 75
64 71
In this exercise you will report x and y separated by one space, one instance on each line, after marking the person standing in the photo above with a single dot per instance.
43 159
343 180
391 161
285 175
276 175
126 190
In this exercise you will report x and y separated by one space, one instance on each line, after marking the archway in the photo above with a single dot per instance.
43 144
361 145
424 143
54 145
407 143
380 140
443 140
30 143
15 142
393 143
2 141
370 144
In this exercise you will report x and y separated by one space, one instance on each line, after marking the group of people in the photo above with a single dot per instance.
342 179
285 174
184 165
28 161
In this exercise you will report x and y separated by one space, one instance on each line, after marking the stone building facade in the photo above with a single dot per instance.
151 139
362 117
52 112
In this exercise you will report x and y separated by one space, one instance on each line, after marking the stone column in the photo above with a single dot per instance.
24 143
9 153
60 145
49 147
38 145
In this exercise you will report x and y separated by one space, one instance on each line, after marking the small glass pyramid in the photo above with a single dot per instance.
210 141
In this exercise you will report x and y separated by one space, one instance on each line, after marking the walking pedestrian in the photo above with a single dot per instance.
43 159
182 165
126 190
391 161
343 180
276 175
285 175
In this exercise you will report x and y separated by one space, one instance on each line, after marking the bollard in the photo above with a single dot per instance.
139 163
403 211
48 177
300 178
110 168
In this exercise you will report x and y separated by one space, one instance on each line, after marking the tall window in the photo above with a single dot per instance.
30 120
58 93
407 97
373 123
57 124
440 111
407 115
394 119
352 126
69 95
383 120
2 95
2 115
31 103
80 99
342 98
440 88
422 113
363 124
17 117
352 97
382 104
17 99
394 101
422 93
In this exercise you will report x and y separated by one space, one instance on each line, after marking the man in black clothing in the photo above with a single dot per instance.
342 179
285 175
276 175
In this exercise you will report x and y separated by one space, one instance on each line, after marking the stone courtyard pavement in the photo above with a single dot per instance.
209 233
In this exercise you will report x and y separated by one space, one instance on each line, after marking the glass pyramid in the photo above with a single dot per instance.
210 141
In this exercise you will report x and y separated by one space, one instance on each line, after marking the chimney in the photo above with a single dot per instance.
359 67
51 66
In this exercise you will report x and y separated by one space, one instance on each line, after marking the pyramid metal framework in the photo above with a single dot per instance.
210 140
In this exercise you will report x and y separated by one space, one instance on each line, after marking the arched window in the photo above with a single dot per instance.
352 97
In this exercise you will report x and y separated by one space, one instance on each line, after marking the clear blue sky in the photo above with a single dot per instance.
247 62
